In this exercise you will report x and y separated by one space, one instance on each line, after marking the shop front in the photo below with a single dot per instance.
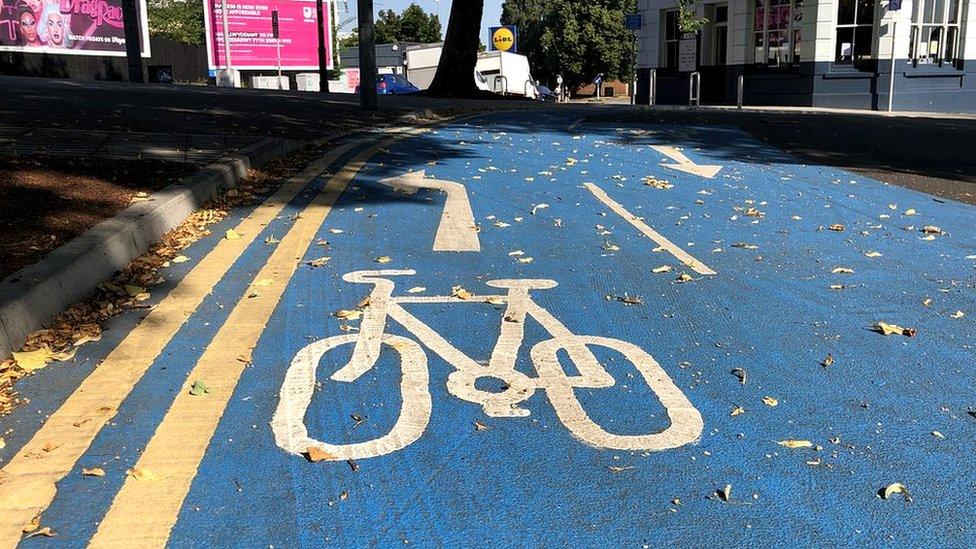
831 53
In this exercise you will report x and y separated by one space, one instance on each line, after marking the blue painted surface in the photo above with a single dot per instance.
527 481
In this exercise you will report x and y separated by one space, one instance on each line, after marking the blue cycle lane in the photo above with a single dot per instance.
782 410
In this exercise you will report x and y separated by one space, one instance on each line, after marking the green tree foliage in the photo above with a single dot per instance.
350 41
575 39
413 25
181 21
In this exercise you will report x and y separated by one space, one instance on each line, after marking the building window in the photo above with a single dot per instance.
720 36
671 38
935 31
776 30
855 31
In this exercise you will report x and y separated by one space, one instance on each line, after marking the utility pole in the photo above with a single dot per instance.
367 56
133 50
323 61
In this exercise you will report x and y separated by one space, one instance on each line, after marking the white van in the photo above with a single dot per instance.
505 73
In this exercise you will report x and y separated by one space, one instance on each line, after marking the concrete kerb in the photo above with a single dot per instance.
33 296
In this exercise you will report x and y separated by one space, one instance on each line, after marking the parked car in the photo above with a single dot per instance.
545 94
394 84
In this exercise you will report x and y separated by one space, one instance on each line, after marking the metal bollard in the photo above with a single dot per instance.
740 91
694 89
652 87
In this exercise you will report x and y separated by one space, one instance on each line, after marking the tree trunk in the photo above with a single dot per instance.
455 71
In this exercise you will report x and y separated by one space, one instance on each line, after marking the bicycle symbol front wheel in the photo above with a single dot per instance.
686 422
288 422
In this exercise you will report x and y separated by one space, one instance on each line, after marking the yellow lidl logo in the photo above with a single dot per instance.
503 39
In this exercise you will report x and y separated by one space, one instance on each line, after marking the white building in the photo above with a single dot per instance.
830 53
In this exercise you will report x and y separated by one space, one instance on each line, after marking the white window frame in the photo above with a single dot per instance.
857 24
942 27
793 30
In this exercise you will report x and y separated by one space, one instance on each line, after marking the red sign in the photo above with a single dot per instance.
252 42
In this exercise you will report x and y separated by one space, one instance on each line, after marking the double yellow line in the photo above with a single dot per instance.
144 512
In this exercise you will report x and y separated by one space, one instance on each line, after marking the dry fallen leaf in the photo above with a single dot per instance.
770 401
724 494
827 362
661 269
316 454
794 444
416 290
348 314
538 207
141 473
958 314
320 262
460 293
893 329
842 270
618 469
46 532
180 259
684 277
836 287
657 183
737 411
896 488
93 472
873 254
739 373
33 360
479 426
383 259
931 229
837 227
34 524
231 234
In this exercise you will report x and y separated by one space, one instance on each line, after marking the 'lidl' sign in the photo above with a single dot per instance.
504 38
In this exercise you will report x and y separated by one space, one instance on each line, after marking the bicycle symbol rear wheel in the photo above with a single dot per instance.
288 422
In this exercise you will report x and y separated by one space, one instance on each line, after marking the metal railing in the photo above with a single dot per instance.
694 89
652 87
740 91
494 85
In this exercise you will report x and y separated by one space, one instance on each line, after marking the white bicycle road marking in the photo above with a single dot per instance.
657 237
456 231
685 164
299 386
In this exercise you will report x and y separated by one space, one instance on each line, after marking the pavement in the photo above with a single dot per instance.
578 331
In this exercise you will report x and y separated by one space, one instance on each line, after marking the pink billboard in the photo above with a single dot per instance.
69 27
252 42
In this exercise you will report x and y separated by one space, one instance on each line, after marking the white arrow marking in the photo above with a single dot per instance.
457 231
684 164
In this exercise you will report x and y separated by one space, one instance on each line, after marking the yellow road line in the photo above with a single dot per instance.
144 511
663 242
28 481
